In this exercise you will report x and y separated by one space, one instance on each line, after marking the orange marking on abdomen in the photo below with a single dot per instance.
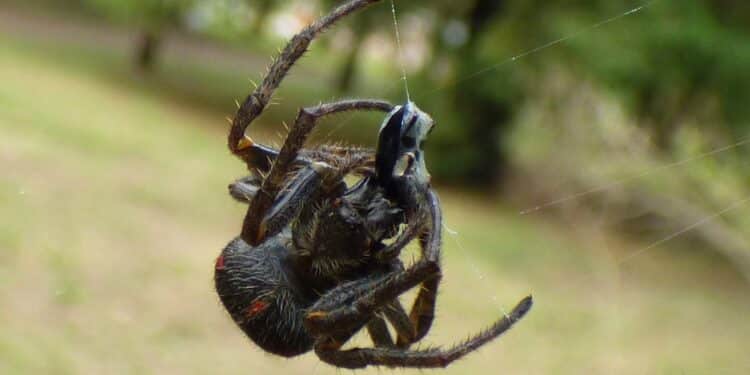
256 308
220 263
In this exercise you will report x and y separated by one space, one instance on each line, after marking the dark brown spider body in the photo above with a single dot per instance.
268 288
317 261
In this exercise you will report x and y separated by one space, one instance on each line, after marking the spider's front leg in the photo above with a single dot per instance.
253 231
349 159
257 156
309 182
257 101
413 326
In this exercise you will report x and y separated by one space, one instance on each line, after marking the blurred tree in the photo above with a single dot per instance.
348 69
675 61
488 114
152 17
669 63
475 105
360 28
263 9
364 23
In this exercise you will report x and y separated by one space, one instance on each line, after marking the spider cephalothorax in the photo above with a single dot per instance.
317 260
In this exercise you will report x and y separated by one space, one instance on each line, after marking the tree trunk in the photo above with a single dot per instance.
263 10
486 118
349 69
146 52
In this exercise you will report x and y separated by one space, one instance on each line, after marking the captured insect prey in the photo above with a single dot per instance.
317 259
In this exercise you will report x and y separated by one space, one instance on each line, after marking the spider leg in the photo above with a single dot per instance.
352 159
257 155
378 330
414 326
328 316
329 351
405 331
303 187
343 151
252 231
244 189
343 297
393 249
423 310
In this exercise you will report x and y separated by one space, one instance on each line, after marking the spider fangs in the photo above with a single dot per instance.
317 260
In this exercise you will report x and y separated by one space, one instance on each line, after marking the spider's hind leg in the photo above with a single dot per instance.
426 273
329 351
378 330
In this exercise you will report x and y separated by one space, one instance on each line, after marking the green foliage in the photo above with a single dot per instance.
668 62
150 14
673 61
231 20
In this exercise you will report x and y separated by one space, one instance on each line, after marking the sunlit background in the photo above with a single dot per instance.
593 153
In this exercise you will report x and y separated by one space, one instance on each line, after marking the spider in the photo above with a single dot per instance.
317 260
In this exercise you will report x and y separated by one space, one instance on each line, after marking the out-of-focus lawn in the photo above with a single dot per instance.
114 205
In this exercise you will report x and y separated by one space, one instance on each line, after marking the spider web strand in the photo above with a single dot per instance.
642 174
477 271
705 220
400 50
543 47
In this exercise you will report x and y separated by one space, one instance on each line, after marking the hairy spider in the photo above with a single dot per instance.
318 260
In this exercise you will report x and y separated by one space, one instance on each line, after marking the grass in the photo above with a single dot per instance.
114 206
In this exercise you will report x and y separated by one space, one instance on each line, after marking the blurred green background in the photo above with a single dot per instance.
606 174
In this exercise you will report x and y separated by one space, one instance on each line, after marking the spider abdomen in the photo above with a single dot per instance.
258 293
